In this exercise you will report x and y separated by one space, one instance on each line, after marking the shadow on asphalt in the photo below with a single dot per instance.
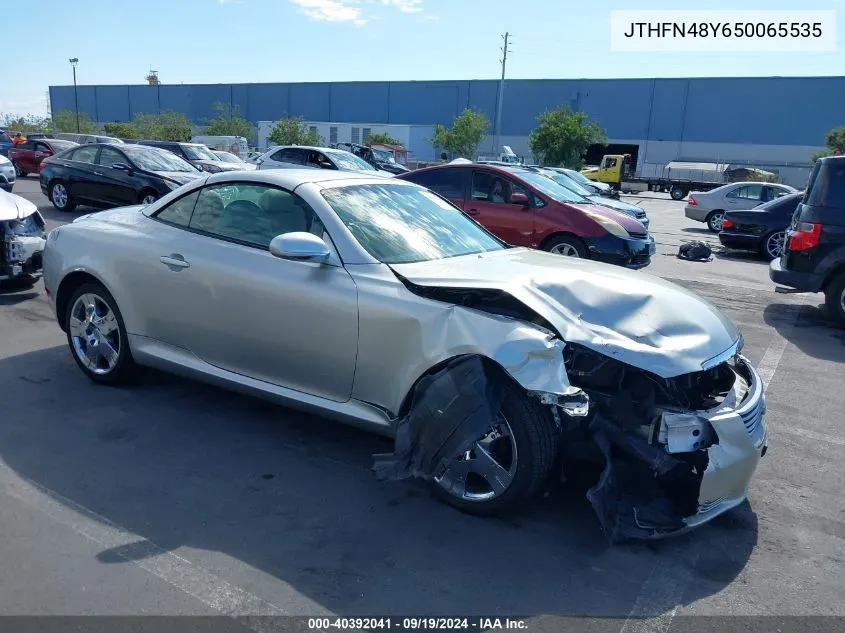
808 328
699 231
182 464
15 291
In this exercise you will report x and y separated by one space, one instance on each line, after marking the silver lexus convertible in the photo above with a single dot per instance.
377 302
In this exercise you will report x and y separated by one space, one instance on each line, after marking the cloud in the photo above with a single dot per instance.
354 11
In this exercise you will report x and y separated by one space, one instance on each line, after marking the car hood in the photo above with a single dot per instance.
14 207
216 163
617 204
182 177
632 225
627 315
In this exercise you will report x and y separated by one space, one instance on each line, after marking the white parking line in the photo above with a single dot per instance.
213 591
768 365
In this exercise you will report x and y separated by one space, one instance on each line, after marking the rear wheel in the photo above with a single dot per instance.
20 173
834 296
773 245
567 245
677 193
60 197
505 466
714 221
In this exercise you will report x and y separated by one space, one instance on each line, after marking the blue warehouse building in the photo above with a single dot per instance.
772 122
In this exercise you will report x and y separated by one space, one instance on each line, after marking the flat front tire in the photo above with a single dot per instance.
834 296
507 465
97 336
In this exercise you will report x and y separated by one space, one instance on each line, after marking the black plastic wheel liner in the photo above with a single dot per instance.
450 409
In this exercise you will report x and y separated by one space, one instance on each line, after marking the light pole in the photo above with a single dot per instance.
504 61
73 61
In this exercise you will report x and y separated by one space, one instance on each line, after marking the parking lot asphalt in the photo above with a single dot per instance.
170 497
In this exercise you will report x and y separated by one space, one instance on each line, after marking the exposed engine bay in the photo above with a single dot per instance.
649 437
22 240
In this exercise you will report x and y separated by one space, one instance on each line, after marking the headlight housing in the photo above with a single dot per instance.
211 169
614 228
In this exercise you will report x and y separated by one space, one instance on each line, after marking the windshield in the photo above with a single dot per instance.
565 181
345 160
577 175
226 157
549 187
400 224
198 152
153 159
383 156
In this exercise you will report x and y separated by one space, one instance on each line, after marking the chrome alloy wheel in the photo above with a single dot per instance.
775 244
95 333
59 195
486 470
715 221
564 249
148 199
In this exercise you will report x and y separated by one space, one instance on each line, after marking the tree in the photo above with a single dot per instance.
563 137
122 130
834 141
26 124
294 131
382 138
65 121
164 126
229 122
465 135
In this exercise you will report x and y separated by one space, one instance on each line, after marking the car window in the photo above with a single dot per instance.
289 155
449 182
827 184
399 224
30 145
109 157
252 213
85 154
747 192
319 160
489 187
41 147
179 212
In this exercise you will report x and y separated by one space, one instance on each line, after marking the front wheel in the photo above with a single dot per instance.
834 296
60 197
147 197
567 245
714 221
97 336
506 466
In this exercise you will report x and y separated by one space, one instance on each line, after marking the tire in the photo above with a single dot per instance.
536 439
768 249
567 245
834 295
58 191
147 196
677 193
84 333
714 221
19 173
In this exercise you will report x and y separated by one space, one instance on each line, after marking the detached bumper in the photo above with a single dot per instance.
632 253
803 282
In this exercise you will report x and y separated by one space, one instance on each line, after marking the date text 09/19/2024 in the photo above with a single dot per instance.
416 624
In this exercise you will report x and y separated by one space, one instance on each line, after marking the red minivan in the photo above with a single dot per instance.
27 156
526 208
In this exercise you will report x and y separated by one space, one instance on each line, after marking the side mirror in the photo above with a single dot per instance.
520 199
120 167
300 246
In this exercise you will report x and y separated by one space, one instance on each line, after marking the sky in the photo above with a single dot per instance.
243 41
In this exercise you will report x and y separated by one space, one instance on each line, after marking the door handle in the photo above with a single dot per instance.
98 173
175 261
472 212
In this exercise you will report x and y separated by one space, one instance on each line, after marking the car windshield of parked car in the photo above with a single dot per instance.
568 183
577 175
198 152
345 160
226 157
157 160
549 187
383 156
401 224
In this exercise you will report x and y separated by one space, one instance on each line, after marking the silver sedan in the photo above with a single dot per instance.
710 206
377 302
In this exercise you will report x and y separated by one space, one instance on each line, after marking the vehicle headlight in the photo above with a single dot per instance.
614 228
212 169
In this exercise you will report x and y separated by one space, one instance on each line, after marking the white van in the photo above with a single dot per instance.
237 145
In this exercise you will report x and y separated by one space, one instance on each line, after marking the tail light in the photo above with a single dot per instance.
41 165
691 201
727 224
805 236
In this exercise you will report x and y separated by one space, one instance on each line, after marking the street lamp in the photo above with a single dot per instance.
73 61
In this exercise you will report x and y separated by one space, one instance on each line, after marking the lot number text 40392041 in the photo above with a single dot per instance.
417 624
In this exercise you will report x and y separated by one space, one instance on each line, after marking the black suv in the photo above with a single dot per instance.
814 257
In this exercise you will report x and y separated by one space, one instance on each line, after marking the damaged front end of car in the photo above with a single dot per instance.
22 241
672 452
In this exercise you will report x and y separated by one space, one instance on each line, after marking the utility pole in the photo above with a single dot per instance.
73 61
504 62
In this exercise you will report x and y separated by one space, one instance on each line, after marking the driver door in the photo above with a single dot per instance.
285 322
512 223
